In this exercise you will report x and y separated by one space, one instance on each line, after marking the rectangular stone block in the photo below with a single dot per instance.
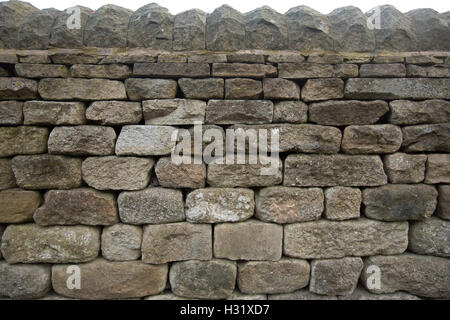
172 70
11 112
107 71
337 239
290 112
388 70
121 242
405 168
427 137
314 70
18 206
24 281
342 203
22 140
333 170
323 89
114 112
438 168
38 71
7 179
241 88
427 72
183 175
281 89
203 89
371 139
430 237
173 112
443 209
239 111
141 89
54 113
419 112
243 70
12 88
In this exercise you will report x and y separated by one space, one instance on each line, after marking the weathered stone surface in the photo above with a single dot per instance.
207 57
24 281
31 243
213 279
145 140
22 140
82 141
289 205
349 27
243 70
131 56
290 111
314 70
121 242
108 71
418 112
63 36
388 59
427 137
104 279
388 70
203 89
304 294
225 29
76 56
11 112
260 174
151 206
173 112
172 70
248 240
405 168
285 56
242 296
29 70
240 88
77 206
333 170
325 58
114 112
246 57
430 28
12 14
47 172
10 56
176 242
424 276
308 30
34 31
107 27
265 29
398 202
370 139
141 89
427 72
423 59
18 206
335 276
189 30
213 205
323 89
342 203
81 89
117 173
151 26
438 168
430 236
12 88
390 89
281 89
362 294
53 113
286 275
443 209
7 179
239 111
171 175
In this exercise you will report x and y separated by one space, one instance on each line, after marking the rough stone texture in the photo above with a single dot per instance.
239 88
239 111
189 30
323 89
24 281
215 205
249 240
11 112
335 276
285 56
304 294
243 70
176 242
430 72
419 112
203 89
117 173
388 70
281 89
141 89
289 205
146 140
337 239
12 14
313 70
399 202
7 179
12 88
75 56
424 276
290 111
342 203
438 168
18 206
241 296
64 37
108 71
151 206
371 139
362 294
443 209
47 172
77 206
103 279
82 141
171 175
225 29
173 112
333 170
246 57
405 168
53 113
114 112
81 89
121 242
213 279
430 29
29 70
265 29
31 243
286 275
430 236
172 70
427 137
22 140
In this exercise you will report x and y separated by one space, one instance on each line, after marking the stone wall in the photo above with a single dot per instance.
87 181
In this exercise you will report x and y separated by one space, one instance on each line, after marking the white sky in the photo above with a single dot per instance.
177 6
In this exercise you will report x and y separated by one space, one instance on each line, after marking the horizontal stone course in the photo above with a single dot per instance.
54 113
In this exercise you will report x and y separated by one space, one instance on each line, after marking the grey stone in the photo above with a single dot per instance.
246 56
308 70
430 236
34 56
239 111
323 89
405 168
419 112
265 29
430 28
12 14
285 56
243 70
7 179
427 72
22 140
114 112
108 71
141 89
362 294
30 70
189 30
12 88
24 281
290 111
240 88
342 203
427 137
325 58
18 206
207 57
438 168
181 175
64 37
281 89
443 210
34 31
225 29
173 112
54 113
203 89
11 112
121 242
172 70
370 139
76 56
382 70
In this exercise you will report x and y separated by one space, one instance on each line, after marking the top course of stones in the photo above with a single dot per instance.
22 26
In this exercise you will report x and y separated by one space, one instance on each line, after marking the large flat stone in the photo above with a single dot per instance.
315 70
426 137
172 70
203 89
407 112
371 139
22 140
173 112
239 111
24 281
405 168
243 70
11 112
12 88
18 206
430 236
438 169
54 113
141 89
121 242
114 112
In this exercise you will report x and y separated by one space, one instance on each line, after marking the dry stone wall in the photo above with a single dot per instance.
88 182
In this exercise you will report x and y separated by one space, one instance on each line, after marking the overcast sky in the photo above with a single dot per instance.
177 6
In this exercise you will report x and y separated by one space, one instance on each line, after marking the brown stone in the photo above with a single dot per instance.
22 140
388 70
12 88
11 112
239 111
280 89
443 209
438 168
323 89
430 236
54 113
240 88
171 175
417 112
172 70
243 70
107 71
114 112
405 168
371 139
427 137
342 203
203 89
7 179
141 89
173 112
290 112
28 70
18 206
